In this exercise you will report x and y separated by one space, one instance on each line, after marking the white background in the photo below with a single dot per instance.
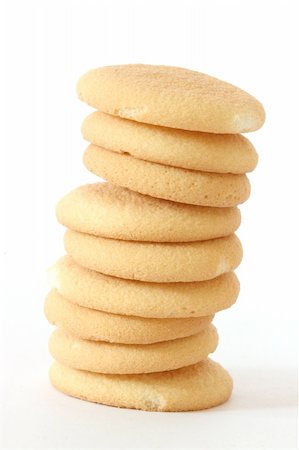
46 46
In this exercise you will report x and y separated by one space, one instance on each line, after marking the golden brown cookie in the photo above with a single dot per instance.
208 152
110 211
105 357
128 297
200 386
170 183
171 96
155 262
86 323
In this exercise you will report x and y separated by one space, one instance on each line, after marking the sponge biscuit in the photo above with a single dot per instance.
208 152
95 290
170 183
155 262
94 325
110 211
111 358
195 387
171 96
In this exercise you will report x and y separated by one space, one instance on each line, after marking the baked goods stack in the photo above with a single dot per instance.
151 252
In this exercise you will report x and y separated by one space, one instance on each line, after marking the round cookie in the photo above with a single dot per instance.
208 152
195 387
155 262
128 297
110 358
170 183
171 96
94 325
110 211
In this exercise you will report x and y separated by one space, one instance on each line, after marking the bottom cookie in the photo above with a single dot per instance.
191 388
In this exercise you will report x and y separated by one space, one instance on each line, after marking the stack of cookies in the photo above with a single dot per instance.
151 252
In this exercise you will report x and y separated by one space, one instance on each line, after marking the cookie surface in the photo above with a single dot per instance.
110 211
155 262
200 386
104 357
208 152
161 300
166 182
86 323
171 96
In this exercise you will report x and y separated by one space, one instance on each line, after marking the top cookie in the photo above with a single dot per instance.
172 97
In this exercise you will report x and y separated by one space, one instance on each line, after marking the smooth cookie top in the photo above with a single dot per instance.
106 210
208 152
172 97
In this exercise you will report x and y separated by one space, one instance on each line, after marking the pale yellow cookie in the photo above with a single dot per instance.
172 97
170 183
94 325
105 357
156 262
110 211
195 387
208 152
127 297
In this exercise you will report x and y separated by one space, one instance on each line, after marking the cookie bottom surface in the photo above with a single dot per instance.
191 388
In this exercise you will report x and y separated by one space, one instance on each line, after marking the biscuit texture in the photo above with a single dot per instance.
104 357
208 152
91 324
155 262
127 297
195 387
170 183
171 96
110 211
